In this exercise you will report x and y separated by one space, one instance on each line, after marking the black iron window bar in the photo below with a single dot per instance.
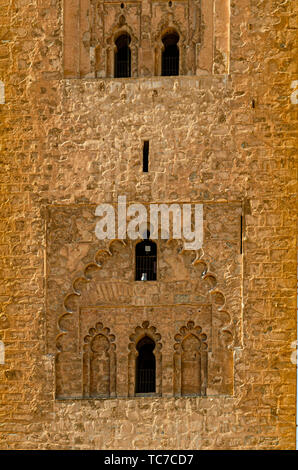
145 381
146 268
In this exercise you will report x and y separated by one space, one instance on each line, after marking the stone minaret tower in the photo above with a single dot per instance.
140 343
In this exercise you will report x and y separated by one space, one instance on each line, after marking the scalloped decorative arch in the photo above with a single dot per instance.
116 31
99 363
141 332
218 298
163 29
190 361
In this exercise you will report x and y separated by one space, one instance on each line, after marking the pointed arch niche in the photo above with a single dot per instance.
99 363
190 361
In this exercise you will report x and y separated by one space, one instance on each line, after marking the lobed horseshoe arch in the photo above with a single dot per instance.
99 363
140 333
190 361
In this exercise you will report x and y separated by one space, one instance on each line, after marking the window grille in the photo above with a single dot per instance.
145 366
123 57
170 55
146 381
146 261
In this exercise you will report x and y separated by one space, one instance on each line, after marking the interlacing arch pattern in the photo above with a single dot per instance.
218 298
70 303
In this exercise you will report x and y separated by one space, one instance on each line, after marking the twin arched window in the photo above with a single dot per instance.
169 59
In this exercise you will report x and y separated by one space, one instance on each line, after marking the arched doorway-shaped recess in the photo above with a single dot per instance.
170 54
123 56
100 366
99 363
146 260
190 361
145 366
190 365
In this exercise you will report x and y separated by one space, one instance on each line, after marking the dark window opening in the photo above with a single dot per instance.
146 156
146 260
123 57
145 366
170 55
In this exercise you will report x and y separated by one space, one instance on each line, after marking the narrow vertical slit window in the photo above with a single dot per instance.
146 156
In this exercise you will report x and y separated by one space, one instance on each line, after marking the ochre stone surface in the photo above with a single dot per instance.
222 133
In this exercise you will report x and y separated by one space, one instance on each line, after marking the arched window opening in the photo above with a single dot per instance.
145 366
123 56
170 55
146 260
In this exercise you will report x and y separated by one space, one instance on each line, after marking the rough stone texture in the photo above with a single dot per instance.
225 137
